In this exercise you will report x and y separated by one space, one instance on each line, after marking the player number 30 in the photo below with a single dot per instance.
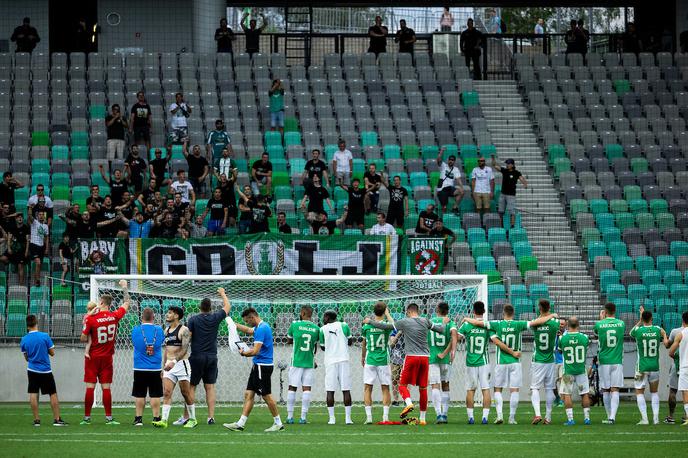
106 334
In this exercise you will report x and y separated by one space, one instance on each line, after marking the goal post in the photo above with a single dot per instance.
278 300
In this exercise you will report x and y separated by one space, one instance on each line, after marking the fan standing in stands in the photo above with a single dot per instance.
507 197
471 41
378 37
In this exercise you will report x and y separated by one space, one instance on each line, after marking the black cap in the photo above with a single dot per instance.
509 161
27 20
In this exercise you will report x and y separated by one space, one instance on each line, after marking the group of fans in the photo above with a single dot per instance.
185 355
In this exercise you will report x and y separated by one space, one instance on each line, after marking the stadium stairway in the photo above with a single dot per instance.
560 260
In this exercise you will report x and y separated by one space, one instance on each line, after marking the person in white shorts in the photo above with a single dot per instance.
442 352
543 371
648 339
680 348
335 339
342 163
375 361
574 348
177 369
673 379
303 334
610 335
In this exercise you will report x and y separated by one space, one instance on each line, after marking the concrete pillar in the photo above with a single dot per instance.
206 18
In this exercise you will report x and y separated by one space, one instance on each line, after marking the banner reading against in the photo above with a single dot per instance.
426 255
97 256
263 254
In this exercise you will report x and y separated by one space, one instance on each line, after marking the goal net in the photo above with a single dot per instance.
278 300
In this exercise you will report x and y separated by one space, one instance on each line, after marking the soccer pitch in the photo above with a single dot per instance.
20 438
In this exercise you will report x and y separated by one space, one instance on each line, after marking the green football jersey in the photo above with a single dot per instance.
439 342
377 345
305 335
574 350
477 339
610 333
509 332
648 340
545 338
218 140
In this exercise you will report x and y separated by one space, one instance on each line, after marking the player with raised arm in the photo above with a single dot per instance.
261 371
102 328
574 348
478 362
335 338
673 379
177 368
648 339
610 334
543 370
416 362
375 362
680 348
442 352
303 334
508 371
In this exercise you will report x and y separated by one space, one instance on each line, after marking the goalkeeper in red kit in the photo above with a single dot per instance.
102 327
417 361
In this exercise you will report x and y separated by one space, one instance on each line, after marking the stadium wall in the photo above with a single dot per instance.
151 25
13 12
68 367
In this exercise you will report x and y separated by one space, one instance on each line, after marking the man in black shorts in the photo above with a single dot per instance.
140 120
203 359
38 348
148 339
356 206
398 208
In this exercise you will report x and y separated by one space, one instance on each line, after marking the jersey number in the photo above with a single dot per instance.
510 341
437 340
307 340
543 339
574 355
611 338
376 342
106 333
476 345
650 348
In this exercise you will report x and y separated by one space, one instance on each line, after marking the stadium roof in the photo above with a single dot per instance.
451 3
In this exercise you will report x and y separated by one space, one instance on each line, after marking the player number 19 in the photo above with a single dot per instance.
106 334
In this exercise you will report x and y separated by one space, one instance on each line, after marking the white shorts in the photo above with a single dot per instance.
643 379
508 375
580 382
611 376
374 375
673 378
683 379
439 373
543 375
181 371
478 378
301 376
338 377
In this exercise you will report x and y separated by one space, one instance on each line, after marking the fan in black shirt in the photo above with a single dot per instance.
224 36
378 37
135 166
118 185
313 167
447 234
398 202
406 37
158 169
323 226
316 195
471 40
373 181
260 212
507 198
356 204
426 220
282 226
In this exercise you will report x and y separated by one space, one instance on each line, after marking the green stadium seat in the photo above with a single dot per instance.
679 248
97 111
609 277
658 292
613 151
644 221
280 178
274 151
639 164
539 291
470 98
468 151
663 306
644 263
292 138
666 263
496 234
523 305
590 234
429 152
651 277
369 138
80 152
391 152
615 292
638 206
16 324
599 206
484 264
623 305
526 264
476 234
604 221
679 292
624 221
562 164
671 278
291 124
555 152
617 249
517 235
411 151
632 192
611 234
665 221
596 249
40 166
487 151
623 263
40 138
637 292
79 138
622 86
658 206
272 138
618 206
480 249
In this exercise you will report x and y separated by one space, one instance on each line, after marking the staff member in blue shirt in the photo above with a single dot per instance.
38 348
259 380
148 339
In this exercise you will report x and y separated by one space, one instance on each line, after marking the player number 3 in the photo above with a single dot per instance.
106 334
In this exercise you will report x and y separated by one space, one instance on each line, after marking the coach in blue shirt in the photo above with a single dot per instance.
148 339
259 380
38 348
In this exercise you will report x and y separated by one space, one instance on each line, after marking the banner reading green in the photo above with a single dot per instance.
263 254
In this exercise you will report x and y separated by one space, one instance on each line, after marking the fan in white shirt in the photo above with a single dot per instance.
342 163
382 227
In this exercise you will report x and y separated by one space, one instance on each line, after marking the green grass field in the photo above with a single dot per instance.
19 438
